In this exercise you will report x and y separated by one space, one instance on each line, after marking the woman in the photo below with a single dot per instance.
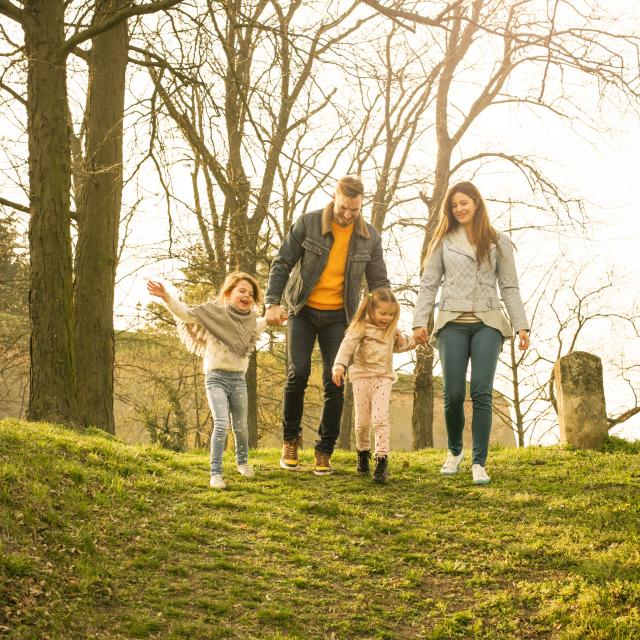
468 257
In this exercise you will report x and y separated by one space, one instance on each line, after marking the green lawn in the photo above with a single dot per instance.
103 540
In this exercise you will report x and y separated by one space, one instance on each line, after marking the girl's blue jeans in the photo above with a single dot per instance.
227 395
459 343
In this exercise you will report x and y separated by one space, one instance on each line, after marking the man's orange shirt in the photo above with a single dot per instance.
328 294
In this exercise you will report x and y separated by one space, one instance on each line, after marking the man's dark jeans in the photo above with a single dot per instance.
303 329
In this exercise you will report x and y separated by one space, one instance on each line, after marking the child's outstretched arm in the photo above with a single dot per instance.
157 289
178 309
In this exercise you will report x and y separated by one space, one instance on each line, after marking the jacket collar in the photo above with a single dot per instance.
327 217
459 240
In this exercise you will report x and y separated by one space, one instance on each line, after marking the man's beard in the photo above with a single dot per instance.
342 221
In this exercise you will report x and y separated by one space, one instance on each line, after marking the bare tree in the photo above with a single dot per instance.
53 377
552 53
262 55
99 220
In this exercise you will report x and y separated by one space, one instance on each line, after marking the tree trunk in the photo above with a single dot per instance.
346 425
252 393
52 394
98 220
516 394
422 416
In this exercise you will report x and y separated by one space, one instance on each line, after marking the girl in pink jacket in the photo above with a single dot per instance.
367 351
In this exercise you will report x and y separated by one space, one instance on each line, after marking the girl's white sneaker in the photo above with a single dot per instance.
216 481
246 470
479 474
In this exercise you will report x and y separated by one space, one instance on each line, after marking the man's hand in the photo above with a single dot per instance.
421 335
157 289
337 374
276 316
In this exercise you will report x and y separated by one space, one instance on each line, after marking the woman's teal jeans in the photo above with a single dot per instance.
458 344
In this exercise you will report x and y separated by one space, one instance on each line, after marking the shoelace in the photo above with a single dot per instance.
322 460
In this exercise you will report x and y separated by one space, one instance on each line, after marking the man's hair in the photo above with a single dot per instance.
351 186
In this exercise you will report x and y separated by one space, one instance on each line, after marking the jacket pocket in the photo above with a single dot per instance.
313 253
312 245
361 256
358 262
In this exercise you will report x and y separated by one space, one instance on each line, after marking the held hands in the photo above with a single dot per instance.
421 335
276 316
523 343
157 289
337 374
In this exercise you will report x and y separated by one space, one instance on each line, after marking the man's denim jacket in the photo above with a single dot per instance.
303 257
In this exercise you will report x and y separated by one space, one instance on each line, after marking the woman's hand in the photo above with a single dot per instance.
523 344
157 289
421 335
337 374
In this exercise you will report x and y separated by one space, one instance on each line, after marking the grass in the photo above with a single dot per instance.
104 540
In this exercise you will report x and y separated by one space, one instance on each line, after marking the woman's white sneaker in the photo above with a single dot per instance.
216 482
452 464
479 474
246 470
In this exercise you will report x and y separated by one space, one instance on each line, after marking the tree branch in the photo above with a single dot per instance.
13 93
623 417
11 11
14 205
411 15
113 20
25 209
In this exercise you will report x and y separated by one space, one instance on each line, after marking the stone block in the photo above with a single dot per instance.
580 396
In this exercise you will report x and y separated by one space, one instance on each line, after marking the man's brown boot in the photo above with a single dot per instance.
322 466
289 458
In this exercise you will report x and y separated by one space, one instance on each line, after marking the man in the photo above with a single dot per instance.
321 262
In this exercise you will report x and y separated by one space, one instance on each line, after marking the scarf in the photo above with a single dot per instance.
234 329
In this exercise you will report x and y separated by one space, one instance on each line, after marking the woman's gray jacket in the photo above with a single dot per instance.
471 287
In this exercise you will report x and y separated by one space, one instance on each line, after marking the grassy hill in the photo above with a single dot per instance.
104 540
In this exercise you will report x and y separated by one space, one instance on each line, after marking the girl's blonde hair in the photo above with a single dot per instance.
370 303
483 233
231 282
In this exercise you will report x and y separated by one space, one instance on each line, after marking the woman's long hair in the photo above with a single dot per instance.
369 304
484 235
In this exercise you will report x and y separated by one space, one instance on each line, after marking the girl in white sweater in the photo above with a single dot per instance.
223 332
